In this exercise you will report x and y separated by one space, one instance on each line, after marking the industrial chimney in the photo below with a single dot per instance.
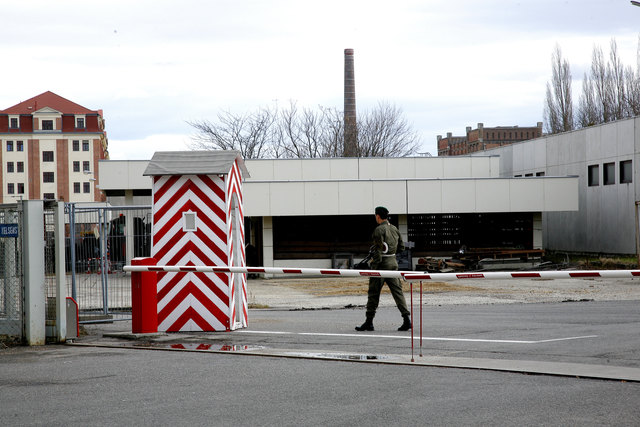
350 128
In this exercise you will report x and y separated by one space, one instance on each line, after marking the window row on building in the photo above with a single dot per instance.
18 188
625 175
528 175
19 146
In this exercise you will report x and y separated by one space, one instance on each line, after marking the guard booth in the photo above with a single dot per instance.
198 220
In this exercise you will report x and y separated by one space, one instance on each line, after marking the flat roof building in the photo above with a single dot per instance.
305 211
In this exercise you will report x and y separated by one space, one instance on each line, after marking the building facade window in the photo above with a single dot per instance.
609 174
76 166
20 166
539 173
9 167
20 188
80 122
47 125
9 145
626 172
85 145
47 156
49 196
76 187
594 175
86 166
76 145
86 187
48 177
19 146
10 188
13 123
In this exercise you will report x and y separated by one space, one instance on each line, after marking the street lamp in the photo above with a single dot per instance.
635 3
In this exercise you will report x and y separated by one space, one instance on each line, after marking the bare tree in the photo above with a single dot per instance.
588 111
251 134
616 84
384 132
558 103
306 133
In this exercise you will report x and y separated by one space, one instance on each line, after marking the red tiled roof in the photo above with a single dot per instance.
48 99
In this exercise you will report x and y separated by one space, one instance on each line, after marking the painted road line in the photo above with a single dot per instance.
479 340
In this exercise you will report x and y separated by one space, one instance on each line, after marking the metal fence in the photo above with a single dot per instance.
104 239
11 273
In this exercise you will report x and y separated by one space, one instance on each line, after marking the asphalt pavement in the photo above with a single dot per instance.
568 362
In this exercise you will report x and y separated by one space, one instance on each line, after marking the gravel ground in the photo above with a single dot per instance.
314 293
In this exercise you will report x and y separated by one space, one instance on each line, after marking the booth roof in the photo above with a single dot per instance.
194 163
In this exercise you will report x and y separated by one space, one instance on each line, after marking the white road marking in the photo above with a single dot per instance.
415 337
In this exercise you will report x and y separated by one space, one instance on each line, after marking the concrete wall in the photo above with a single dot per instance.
605 221
372 168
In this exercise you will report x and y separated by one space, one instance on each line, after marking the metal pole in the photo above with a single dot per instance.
420 318
103 239
72 247
411 290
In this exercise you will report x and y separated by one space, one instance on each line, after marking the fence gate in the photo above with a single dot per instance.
11 273
101 241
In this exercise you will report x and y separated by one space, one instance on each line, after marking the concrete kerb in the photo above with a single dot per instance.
561 369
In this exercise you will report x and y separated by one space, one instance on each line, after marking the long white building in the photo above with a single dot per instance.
312 212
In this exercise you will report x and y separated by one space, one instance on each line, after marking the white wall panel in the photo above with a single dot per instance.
321 198
458 196
425 196
561 194
430 167
355 197
257 198
287 198
260 170
289 170
316 169
403 167
391 194
344 168
373 168
492 195
457 167
527 194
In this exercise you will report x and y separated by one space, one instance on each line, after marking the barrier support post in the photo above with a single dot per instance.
144 299
421 318
411 290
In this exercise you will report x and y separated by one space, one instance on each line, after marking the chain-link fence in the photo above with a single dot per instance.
11 273
104 240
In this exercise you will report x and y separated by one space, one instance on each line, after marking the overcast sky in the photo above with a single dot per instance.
153 65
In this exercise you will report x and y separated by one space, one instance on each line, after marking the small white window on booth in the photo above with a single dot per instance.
189 221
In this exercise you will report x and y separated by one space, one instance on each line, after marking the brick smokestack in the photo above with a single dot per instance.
350 129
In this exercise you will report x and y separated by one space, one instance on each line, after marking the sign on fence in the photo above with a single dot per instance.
8 230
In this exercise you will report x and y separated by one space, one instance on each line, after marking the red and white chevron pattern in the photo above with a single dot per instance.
190 301
236 255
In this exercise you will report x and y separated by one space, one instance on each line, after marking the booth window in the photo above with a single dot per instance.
189 221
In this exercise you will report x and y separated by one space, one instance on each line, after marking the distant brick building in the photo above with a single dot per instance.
50 150
483 138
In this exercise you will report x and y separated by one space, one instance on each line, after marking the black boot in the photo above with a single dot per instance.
367 325
406 323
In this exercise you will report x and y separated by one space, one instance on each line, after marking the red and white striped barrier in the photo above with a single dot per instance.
411 276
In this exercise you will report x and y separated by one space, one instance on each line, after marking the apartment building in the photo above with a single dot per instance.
50 150
485 138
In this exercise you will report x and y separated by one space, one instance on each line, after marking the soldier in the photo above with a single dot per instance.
386 242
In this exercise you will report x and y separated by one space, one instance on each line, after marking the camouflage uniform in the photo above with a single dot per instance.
385 260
